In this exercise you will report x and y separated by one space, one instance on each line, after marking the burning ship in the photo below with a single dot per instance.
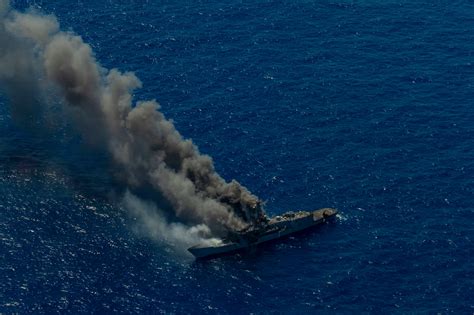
265 230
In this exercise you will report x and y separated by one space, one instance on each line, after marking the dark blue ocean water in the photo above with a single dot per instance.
365 106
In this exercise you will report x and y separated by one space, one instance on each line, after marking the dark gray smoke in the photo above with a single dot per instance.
35 56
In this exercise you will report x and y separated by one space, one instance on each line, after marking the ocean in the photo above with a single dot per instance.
363 106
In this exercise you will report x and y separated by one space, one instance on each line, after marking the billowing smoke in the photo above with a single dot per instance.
151 222
145 148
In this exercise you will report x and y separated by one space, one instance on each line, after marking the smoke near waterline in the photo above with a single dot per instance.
36 57
151 222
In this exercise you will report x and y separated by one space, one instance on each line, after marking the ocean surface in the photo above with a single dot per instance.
364 106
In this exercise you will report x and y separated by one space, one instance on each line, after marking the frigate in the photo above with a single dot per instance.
265 230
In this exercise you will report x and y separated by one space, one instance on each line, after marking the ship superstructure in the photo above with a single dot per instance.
265 231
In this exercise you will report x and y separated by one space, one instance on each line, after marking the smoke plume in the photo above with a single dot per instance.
145 148
153 223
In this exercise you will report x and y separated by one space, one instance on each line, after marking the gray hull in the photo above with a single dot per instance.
278 227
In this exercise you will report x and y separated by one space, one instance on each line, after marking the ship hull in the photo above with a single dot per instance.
278 230
211 252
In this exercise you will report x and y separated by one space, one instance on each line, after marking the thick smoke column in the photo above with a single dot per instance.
145 147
